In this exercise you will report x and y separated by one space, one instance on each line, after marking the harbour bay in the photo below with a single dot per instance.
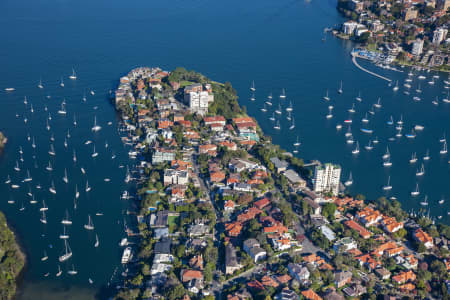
276 44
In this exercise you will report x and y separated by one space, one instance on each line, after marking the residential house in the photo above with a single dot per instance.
299 272
342 278
231 263
311 295
364 233
280 165
193 280
253 248
404 277
383 273
422 237
172 176
345 244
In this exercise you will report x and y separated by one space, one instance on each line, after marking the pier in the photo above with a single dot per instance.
365 70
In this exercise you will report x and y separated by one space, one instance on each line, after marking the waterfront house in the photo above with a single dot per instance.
172 176
295 181
280 165
422 237
161 155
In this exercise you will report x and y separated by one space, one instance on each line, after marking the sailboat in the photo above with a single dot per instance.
326 97
68 134
97 242
72 271
94 153
365 120
62 82
390 121
63 111
283 94
411 135
88 188
89 225
25 100
272 118
387 162
400 121
421 171
378 104
52 137
369 146
43 218
96 127
349 181
8 180
292 125
419 90
52 188
388 186
340 90
59 271
329 115
74 156
67 252
40 84
45 256
16 167
252 86
395 87
425 201
28 178
444 148
278 110
52 150
352 109
359 99
277 126
31 108
413 158
47 126
289 108
387 155
441 201
356 150
252 98
84 96
33 144
74 75
65 143
297 143
33 201
66 220
77 193
264 109
427 155
416 191
65 178
435 101
64 235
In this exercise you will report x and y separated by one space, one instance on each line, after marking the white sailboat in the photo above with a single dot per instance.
416 191
88 188
378 104
289 108
340 90
330 114
62 110
252 97
77 193
356 150
413 159
359 98
387 162
277 126
52 150
272 118
352 109
421 172
444 148
65 178
395 87
40 84
67 252
74 75
96 127
45 256
64 235
43 218
264 108
49 167
97 242
61 83
427 155
293 124
252 86
94 153
297 143
349 181
59 271
72 272
74 158
66 220
425 201
8 180
326 97
369 146
283 94
52 188
278 110
388 186
16 167
89 225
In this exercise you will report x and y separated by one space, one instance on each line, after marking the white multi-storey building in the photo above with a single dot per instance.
327 178
439 35
417 47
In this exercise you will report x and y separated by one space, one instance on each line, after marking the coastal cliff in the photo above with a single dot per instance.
12 260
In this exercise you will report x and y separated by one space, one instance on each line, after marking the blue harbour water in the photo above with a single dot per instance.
278 44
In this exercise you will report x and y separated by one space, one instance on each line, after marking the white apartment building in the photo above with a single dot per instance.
439 35
417 47
327 178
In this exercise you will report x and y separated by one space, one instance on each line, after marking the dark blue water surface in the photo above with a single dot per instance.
278 44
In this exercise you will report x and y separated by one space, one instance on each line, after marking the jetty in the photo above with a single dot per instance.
367 71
